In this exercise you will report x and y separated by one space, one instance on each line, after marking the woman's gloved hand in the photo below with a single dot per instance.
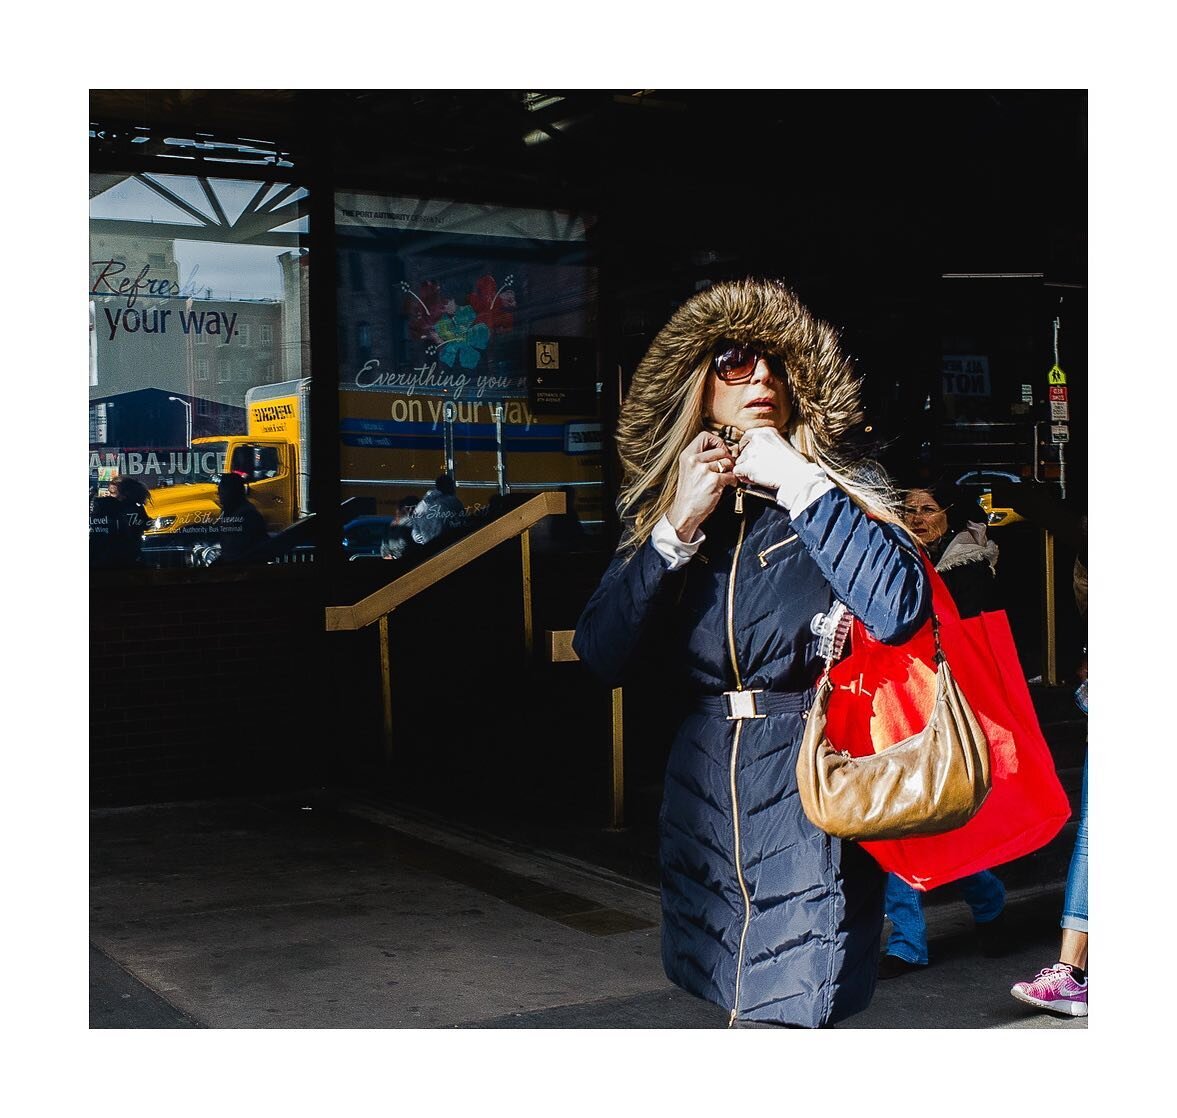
704 472
765 458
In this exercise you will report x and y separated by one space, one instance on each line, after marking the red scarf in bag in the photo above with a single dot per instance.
884 693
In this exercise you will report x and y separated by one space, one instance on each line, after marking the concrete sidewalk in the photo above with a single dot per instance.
333 913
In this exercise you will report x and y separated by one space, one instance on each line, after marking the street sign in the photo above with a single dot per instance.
1056 376
1060 409
1057 392
1027 393
562 376
1060 433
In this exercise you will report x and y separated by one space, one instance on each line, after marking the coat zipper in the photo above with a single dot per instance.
731 637
769 550
731 603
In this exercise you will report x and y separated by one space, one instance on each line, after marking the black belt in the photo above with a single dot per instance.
733 705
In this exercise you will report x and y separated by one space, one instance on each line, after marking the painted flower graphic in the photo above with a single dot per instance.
462 339
425 310
494 305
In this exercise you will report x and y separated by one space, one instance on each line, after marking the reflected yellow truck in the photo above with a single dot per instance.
395 444
391 446
273 456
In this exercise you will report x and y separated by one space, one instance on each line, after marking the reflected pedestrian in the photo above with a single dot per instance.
439 512
241 529
117 524
398 537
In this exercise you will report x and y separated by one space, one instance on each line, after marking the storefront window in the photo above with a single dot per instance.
199 367
468 366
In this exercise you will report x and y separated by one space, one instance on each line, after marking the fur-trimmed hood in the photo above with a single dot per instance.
822 382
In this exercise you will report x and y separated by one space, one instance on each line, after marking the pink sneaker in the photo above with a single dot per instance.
1054 989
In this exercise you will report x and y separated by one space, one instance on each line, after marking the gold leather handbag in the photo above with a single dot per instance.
932 782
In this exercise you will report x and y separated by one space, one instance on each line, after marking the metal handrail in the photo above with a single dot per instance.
377 606
383 601
560 651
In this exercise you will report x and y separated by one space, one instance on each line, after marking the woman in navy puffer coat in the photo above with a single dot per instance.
744 523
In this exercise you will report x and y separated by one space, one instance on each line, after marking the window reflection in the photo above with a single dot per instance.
198 359
424 525
447 313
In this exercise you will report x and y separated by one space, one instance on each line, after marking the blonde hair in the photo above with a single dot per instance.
650 482
650 477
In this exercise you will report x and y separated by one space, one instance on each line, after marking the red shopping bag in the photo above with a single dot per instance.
884 693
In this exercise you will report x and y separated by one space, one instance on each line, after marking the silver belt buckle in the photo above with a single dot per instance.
741 704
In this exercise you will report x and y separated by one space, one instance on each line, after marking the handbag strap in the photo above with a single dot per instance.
939 657
934 582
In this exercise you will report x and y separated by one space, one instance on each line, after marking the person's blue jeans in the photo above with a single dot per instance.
1075 898
983 892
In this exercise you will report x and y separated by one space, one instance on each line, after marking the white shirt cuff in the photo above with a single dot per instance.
806 482
671 548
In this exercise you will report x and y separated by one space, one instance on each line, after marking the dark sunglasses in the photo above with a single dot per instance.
734 363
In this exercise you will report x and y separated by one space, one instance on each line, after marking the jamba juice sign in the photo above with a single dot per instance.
182 465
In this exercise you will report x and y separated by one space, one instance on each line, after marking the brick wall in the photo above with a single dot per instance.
220 683
205 683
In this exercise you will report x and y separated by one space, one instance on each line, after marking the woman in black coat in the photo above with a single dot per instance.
743 525
951 525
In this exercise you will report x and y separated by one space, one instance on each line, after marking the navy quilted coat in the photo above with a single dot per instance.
762 913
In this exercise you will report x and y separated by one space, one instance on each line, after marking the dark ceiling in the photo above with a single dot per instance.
981 180
860 199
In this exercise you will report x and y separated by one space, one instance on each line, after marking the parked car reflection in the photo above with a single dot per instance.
981 483
363 535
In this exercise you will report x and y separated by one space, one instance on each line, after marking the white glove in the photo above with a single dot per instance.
767 459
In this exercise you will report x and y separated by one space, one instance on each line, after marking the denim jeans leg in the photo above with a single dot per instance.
985 895
1075 898
909 930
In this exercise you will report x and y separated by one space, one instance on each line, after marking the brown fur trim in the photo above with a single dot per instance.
766 313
